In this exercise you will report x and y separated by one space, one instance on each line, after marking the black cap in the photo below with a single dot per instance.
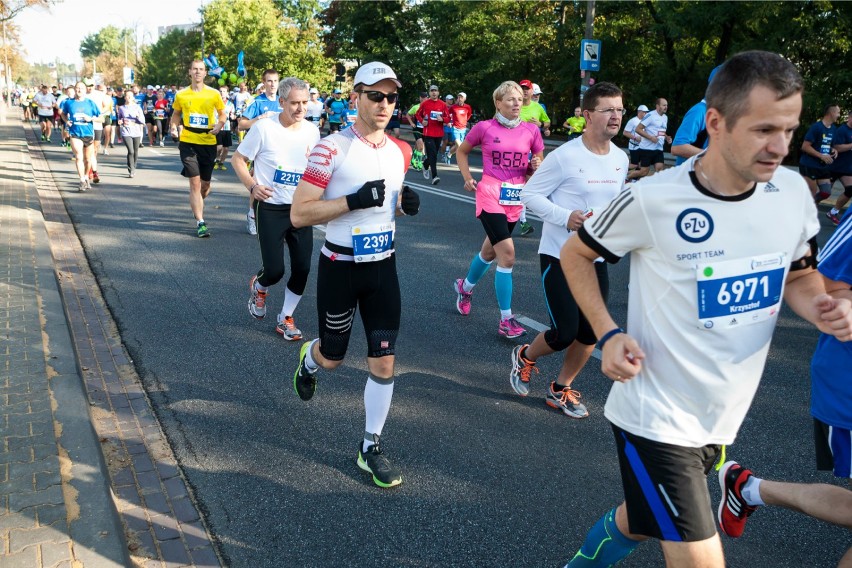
424 94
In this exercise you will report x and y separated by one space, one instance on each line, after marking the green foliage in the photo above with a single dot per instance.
167 61
109 40
268 37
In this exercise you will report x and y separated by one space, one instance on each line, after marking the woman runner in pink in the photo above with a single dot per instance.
507 144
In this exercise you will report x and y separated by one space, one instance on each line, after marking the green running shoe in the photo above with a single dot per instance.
374 461
304 381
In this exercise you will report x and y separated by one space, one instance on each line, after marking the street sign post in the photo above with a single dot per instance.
590 55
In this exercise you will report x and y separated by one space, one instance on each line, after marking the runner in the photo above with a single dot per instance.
841 167
223 139
44 101
315 109
147 104
434 114
79 112
818 155
278 150
161 110
633 138
265 105
196 108
460 114
336 108
703 302
417 131
354 184
506 143
450 101
98 95
131 120
574 183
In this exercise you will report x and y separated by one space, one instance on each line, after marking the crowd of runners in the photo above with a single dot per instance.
706 279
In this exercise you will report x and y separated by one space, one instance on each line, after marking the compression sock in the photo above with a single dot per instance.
309 358
478 268
291 300
523 217
377 400
604 545
503 287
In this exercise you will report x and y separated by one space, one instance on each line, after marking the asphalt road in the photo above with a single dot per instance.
491 479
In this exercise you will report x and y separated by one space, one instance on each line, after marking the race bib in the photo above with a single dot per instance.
284 179
739 292
159 114
199 120
510 194
81 117
436 115
372 242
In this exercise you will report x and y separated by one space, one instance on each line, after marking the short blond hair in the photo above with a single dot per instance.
503 89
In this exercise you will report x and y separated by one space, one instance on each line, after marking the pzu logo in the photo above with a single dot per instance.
694 225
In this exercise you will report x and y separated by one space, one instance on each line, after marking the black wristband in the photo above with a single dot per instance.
608 335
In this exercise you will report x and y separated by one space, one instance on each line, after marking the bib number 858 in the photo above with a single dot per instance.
740 287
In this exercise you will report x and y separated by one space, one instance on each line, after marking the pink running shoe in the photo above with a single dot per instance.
463 298
510 328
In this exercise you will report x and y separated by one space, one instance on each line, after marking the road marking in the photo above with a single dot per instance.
538 326
456 196
156 153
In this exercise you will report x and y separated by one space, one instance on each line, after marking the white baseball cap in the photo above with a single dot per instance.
313 90
463 94
642 108
150 87
536 89
450 98
371 73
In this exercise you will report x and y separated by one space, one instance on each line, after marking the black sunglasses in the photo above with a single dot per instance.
378 96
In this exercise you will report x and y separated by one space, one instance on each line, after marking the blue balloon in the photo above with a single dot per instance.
241 69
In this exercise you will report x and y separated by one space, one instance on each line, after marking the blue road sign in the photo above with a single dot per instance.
590 55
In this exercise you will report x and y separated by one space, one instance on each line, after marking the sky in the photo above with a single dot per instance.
57 33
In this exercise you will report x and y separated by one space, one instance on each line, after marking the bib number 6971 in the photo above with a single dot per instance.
740 287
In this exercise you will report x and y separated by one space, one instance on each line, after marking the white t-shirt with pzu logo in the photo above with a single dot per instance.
707 275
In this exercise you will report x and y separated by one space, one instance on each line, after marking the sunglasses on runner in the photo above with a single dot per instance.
378 96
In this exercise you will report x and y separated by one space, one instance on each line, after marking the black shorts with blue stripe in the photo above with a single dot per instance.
665 488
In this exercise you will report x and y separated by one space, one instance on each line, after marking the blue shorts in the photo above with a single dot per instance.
833 449
458 134
448 133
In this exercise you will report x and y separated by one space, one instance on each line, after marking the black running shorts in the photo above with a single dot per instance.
497 226
665 488
373 288
815 173
650 157
833 449
567 322
223 138
197 160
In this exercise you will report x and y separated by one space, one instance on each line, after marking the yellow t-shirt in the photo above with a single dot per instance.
199 111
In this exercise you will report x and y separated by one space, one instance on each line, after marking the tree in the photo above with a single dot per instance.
109 40
167 61
9 9
268 38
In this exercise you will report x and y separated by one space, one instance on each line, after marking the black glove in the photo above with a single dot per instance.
371 194
410 201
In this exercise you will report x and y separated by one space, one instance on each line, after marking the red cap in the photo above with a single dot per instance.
526 83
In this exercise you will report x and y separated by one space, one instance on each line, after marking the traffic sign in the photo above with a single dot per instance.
590 55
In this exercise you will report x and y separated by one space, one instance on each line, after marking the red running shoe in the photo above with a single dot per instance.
733 510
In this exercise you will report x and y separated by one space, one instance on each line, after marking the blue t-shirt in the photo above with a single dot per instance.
80 115
820 137
261 105
336 108
140 99
831 366
692 125
351 117
843 163
170 96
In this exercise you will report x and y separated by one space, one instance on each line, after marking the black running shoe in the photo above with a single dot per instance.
385 474
304 381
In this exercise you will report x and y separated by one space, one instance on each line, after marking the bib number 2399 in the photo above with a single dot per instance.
372 242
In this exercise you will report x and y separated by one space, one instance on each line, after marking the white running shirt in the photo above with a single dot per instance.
706 279
45 103
630 130
342 162
572 178
655 125
280 155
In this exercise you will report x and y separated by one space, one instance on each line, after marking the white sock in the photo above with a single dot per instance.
505 314
467 286
751 491
260 288
377 401
291 300
309 357
199 221
834 211
251 213
523 218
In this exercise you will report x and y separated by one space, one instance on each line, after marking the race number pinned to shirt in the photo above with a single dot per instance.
739 292
286 178
197 120
436 115
372 242
159 113
510 194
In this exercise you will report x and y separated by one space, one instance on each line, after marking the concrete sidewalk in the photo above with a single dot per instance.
87 478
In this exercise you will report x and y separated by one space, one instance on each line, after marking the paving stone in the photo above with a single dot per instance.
27 558
165 527
185 510
54 553
205 557
43 480
51 495
174 553
23 520
157 503
20 539
51 515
